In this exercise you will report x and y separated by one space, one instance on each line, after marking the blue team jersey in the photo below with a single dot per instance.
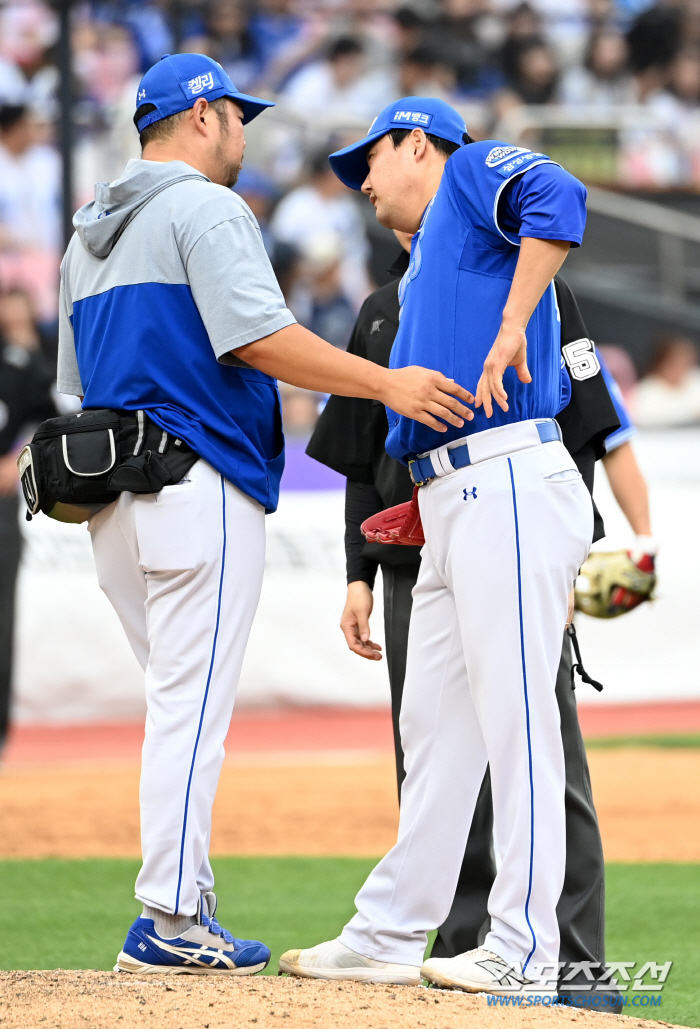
627 429
462 263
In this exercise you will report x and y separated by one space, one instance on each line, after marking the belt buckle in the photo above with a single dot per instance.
410 472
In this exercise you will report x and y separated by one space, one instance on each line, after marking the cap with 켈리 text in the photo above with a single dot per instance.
177 81
434 116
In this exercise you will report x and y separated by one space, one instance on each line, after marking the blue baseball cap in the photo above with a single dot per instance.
177 81
411 112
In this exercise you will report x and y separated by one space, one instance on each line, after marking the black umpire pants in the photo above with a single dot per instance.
10 550
581 909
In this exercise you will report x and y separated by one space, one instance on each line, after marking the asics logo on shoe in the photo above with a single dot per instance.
503 973
194 955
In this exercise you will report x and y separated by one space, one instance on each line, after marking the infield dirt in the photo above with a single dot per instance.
647 800
103 1000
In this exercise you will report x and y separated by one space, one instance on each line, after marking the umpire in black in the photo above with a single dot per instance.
350 437
26 381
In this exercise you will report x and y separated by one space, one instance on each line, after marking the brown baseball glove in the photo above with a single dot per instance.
611 584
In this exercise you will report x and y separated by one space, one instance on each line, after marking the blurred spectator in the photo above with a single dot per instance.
339 86
232 43
654 40
604 79
467 38
522 25
30 222
286 264
534 75
682 93
411 26
621 368
18 326
322 207
150 25
566 27
26 381
329 313
422 72
281 38
105 59
260 193
669 394
299 410
28 31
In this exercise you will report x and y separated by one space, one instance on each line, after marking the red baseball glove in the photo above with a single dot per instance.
400 525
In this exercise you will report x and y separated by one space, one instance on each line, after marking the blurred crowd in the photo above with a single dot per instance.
610 87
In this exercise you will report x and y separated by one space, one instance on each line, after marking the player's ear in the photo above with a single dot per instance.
199 114
419 141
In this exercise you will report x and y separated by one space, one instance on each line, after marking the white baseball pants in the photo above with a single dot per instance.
504 540
183 570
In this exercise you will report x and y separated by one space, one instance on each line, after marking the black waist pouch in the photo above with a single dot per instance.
93 456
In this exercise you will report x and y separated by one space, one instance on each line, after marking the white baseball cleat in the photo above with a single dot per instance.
480 971
333 960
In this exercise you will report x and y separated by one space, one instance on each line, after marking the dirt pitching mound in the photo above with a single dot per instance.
105 1000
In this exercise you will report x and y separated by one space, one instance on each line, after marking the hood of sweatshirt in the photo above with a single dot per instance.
100 223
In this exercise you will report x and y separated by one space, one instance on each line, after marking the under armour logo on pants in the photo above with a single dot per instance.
470 493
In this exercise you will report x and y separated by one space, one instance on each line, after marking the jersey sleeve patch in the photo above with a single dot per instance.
501 153
581 359
516 163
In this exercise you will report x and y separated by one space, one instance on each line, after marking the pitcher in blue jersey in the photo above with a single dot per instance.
507 522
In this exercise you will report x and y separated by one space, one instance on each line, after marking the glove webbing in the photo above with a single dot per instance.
577 666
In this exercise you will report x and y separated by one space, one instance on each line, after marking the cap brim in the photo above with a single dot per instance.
252 105
350 163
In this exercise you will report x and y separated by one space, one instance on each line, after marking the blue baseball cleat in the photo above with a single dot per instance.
203 949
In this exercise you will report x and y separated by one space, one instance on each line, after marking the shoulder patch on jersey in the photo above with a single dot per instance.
500 153
511 166
581 359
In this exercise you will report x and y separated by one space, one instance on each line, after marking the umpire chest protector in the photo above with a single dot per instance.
452 296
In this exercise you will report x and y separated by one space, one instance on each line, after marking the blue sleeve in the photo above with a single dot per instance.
627 428
545 202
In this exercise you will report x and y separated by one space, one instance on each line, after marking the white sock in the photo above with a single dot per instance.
168 926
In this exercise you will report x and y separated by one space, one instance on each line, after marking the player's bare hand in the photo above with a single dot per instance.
355 621
509 349
9 476
427 396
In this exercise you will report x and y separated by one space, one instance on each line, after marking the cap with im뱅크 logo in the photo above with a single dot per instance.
177 81
435 117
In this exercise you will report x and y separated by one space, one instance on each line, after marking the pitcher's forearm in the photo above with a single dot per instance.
538 262
299 357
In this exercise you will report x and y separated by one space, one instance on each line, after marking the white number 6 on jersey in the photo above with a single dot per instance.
581 359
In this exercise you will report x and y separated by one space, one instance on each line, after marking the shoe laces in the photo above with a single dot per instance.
216 929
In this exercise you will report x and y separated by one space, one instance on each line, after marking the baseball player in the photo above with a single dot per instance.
170 310
350 438
507 522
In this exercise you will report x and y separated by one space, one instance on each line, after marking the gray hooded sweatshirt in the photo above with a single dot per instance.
165 276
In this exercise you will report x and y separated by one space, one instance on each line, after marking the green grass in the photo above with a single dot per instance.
73 914
653 914
685 742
